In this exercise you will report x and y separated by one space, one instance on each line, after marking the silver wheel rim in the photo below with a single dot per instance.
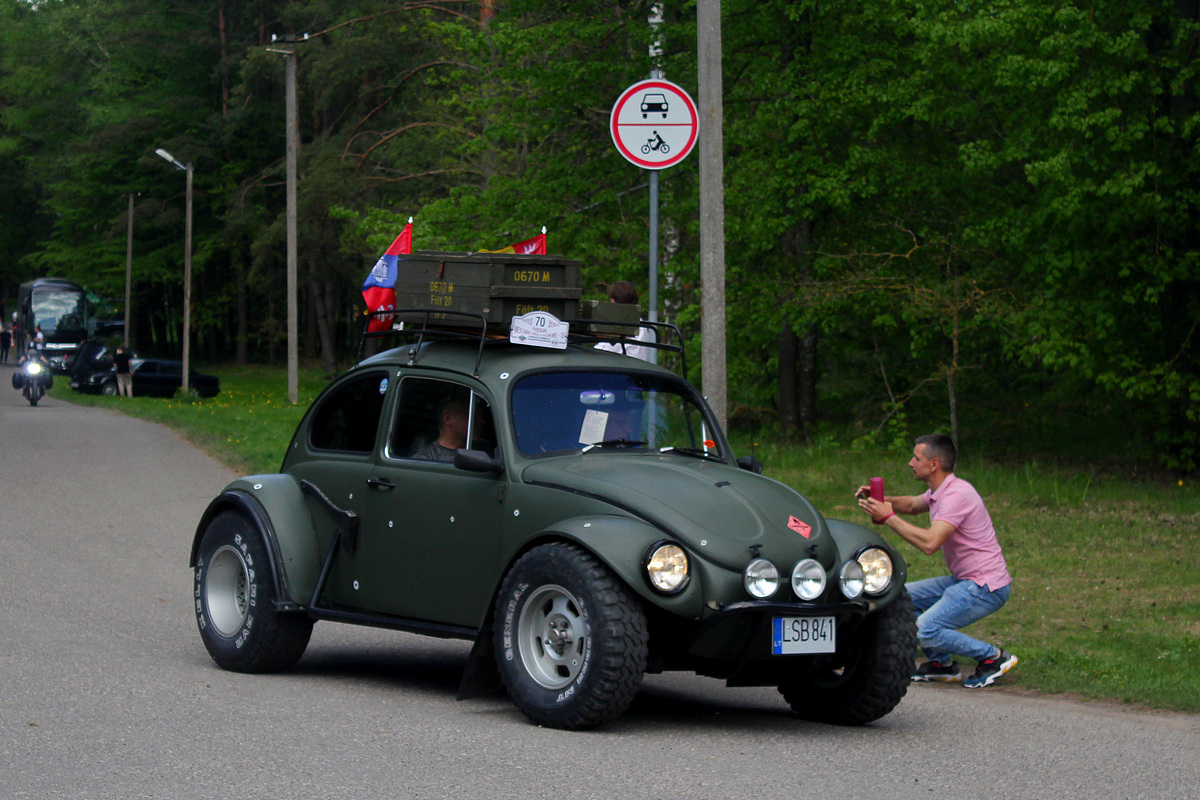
226 590
551 637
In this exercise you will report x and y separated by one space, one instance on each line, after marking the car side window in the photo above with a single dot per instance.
348 417
435 417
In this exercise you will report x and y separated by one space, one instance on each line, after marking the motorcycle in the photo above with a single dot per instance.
33 377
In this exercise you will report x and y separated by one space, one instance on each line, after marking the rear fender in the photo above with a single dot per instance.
276 506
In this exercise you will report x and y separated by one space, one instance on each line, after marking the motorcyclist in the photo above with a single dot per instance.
33 376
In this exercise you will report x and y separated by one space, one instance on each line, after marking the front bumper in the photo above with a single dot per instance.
734 644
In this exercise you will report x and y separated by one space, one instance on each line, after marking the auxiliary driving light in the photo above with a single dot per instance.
761 578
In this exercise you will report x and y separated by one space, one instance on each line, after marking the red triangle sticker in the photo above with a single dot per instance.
800 526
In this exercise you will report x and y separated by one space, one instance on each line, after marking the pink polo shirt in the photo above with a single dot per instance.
972 552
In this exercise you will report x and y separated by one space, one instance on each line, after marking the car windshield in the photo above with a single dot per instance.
555 412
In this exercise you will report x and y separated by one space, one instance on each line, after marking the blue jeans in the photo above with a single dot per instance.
946 604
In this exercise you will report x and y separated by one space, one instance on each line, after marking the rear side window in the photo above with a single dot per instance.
348 417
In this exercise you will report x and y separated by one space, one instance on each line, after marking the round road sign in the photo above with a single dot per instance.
654 124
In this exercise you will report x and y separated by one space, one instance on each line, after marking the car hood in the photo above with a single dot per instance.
720 510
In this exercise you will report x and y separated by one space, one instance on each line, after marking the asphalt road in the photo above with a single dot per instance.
107 692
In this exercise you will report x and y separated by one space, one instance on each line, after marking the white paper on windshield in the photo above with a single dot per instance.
539 329
594 423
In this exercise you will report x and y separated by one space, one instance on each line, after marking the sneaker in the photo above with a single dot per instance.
933 671
989 669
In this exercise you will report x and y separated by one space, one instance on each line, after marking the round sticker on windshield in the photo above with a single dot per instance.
383 384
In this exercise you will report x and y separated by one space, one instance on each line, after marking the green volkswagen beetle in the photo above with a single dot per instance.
576 513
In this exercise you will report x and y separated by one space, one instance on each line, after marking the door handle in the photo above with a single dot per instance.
383 484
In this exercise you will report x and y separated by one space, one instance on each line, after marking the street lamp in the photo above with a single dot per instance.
187 263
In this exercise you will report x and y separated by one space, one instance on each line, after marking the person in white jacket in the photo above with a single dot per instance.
624 292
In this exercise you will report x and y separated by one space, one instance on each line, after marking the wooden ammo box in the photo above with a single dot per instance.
498 286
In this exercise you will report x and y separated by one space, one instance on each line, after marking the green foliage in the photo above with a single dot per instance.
963 212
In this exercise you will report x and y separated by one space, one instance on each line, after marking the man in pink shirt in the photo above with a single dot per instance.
978 583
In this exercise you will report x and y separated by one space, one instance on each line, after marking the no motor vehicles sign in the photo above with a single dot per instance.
654 124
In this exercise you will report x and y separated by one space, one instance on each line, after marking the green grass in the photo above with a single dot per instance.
1106 600
246 426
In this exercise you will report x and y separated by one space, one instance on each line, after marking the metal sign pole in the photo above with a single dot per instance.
655 52
654 144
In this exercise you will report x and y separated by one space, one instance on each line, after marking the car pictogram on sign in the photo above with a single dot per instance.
654 102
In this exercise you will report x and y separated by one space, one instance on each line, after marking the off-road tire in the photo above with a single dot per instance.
571 638
868 678
235 601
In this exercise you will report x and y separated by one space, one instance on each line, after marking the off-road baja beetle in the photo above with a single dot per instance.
594 527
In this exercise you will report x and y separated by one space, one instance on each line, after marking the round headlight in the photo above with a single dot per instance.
851 579
33 368
667 568
877 570
808 579
761 578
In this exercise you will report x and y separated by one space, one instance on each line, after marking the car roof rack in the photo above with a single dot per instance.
662 332
431 323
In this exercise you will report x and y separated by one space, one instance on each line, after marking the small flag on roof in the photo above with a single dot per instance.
379 289
530 247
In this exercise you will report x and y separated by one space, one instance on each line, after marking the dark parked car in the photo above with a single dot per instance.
157 377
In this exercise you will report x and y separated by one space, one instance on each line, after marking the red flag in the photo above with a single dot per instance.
378 290
532 247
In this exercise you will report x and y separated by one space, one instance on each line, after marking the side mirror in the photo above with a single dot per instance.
750 464
477 461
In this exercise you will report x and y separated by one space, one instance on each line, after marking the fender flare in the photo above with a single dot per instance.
622 544
276 507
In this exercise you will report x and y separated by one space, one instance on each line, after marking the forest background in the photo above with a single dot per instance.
976 218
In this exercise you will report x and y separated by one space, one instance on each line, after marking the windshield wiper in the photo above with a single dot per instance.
614 443
695 452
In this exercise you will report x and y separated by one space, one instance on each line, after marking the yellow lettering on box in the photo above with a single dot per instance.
531 276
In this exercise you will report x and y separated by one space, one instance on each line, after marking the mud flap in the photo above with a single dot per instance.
480 676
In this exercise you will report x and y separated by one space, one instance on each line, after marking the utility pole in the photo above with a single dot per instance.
292 129
293 325
187 284
712 207
128 270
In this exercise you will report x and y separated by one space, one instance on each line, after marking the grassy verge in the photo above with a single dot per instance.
1106 567
1106 601
246 426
